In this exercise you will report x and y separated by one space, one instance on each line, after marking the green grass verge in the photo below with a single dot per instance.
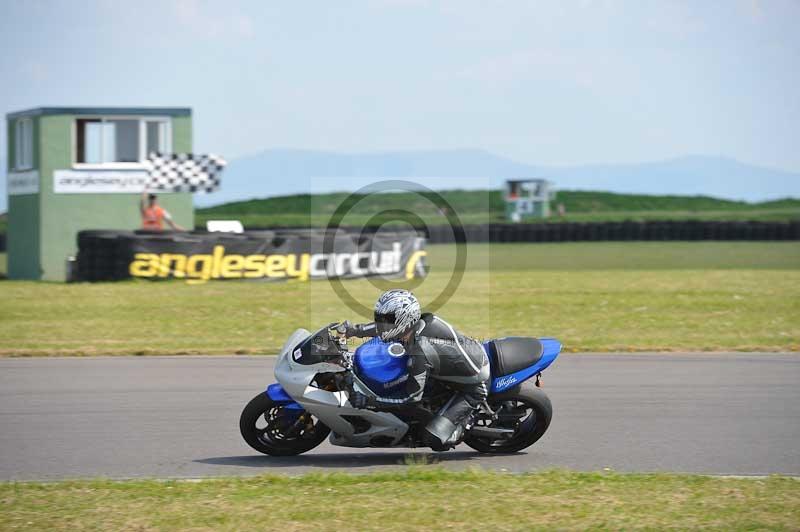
357 220
483 206
594 297
417 499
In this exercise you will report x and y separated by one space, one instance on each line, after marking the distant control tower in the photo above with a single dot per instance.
528 198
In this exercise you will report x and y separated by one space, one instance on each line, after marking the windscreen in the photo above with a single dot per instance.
319 347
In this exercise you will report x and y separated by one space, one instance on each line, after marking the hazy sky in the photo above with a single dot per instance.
543 83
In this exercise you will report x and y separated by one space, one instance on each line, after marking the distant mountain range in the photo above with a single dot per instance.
280 172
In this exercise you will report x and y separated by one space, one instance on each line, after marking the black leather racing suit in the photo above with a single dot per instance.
439 351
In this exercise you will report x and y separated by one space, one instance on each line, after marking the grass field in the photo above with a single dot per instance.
592 296
482 206
417 499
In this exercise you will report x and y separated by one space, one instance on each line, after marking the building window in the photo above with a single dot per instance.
157 136
23 144
102 141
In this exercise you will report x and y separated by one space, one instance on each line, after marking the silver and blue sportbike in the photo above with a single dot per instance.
317 375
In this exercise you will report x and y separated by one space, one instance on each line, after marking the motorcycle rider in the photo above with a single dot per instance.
435 349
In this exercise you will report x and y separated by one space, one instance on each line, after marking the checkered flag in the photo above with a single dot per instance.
184 172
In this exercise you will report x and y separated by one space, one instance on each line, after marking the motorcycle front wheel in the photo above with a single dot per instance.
276 430
525 409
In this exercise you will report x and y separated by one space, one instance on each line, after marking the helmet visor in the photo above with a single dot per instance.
384 322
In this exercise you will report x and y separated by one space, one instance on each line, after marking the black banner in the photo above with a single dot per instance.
256 255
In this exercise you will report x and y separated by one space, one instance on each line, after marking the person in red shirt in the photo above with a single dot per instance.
154 215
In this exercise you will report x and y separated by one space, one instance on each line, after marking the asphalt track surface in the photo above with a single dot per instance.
178 417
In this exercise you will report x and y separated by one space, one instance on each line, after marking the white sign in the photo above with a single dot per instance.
23 183
99 181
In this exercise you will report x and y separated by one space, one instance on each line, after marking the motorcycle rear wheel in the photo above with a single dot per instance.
538 411
271 428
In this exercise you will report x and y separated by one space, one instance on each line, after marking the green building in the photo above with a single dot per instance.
76 168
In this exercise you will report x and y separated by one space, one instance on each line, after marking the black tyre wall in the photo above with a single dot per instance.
687 230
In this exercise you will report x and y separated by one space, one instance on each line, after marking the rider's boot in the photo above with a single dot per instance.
446 430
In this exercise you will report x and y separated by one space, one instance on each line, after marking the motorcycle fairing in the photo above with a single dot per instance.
333 408
279 395
550 350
